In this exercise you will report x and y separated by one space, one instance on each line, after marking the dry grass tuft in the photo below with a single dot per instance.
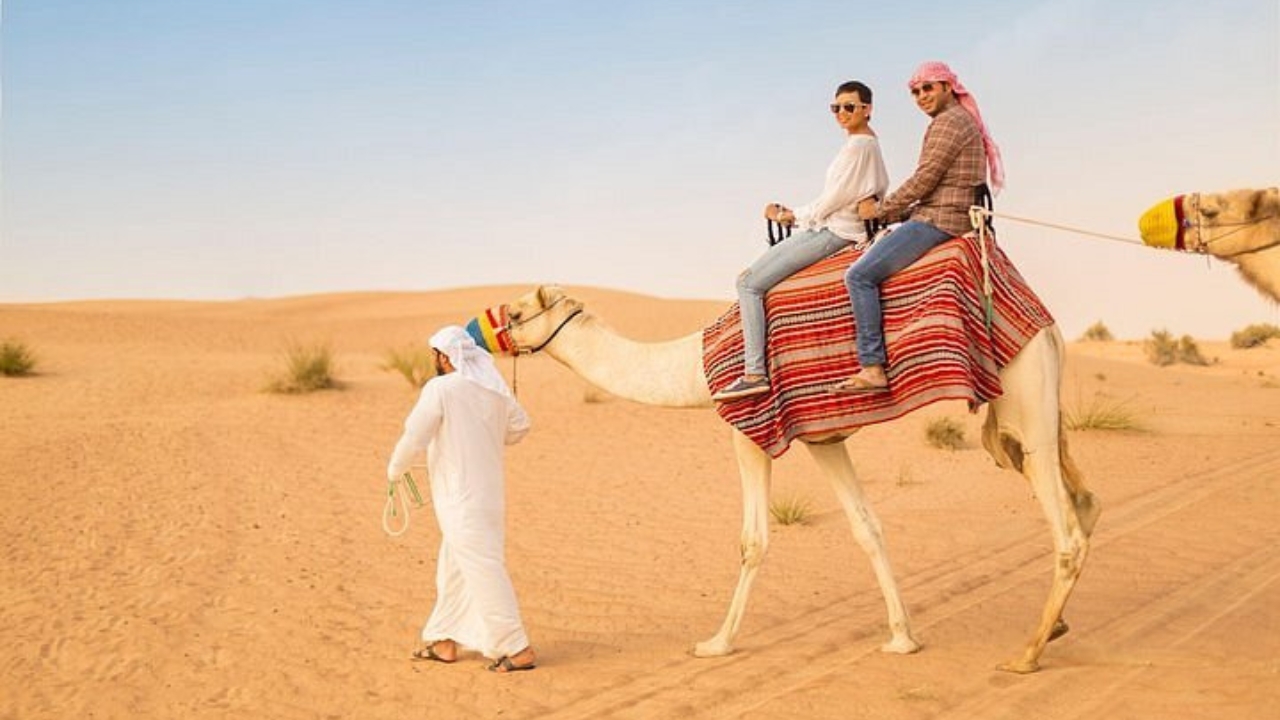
790 511
307 369
1189 352
1254 335
1100 413
16 359
945 433
415 364
1097 332
1163 350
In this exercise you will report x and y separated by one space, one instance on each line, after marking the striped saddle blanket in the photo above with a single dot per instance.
939 342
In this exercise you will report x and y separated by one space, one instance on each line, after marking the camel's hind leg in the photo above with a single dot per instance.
834 460
1024 431
755 466
1070 543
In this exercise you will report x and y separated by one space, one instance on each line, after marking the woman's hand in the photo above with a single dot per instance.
779 214
868 209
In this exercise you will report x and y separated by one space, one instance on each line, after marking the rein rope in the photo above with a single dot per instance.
555 332
983 226
1199 225
977 211
389 510
517 351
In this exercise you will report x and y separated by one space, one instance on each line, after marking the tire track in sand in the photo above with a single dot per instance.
816 643
1170 619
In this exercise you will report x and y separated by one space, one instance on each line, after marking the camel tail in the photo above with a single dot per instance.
1071 474
1088 508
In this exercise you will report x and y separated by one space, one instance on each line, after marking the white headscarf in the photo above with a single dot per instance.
470 360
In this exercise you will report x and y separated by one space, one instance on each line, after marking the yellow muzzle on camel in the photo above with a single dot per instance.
1165 224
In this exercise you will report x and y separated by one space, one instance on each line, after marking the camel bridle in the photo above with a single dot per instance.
516 349
1198 223
513 323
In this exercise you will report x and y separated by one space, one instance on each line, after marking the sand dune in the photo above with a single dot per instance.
179 543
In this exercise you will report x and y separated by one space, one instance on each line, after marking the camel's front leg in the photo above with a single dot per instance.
754 465
834 460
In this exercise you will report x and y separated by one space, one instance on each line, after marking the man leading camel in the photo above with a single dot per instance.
935 201
463 418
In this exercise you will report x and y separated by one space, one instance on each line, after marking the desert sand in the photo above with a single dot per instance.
180 544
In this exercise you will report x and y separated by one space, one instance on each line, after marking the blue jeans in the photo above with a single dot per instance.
777 264
891 253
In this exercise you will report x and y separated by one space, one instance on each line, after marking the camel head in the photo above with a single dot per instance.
1239 226
526 325
1223 224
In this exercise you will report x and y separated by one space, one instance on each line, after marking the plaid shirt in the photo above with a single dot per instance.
952 165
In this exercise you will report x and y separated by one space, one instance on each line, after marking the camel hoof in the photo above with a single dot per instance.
903 645
1021 667
711 648
1060 628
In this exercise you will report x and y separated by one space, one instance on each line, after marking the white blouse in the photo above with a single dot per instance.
857 172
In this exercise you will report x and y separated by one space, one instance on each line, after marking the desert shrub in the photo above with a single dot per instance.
1163 350
1254 335
790 511
415 364
1100 413
945 433
1097 332
1189 352
15 359
307 368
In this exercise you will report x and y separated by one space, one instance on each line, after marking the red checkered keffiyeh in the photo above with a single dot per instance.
938 343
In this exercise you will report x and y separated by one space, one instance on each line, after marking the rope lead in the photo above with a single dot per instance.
977 218
977 212
389 510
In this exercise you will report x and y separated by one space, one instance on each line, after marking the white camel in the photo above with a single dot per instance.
1023 430
1241 227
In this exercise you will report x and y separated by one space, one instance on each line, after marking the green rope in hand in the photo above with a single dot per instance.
389 510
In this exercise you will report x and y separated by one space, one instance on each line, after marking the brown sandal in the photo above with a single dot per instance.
856 384
429 653
504 665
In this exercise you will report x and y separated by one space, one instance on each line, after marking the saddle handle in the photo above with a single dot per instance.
874 225
982 198
782 233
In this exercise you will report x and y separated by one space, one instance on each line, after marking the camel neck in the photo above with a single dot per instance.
667 374
1261 269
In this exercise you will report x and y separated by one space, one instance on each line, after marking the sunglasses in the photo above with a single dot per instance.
925 87
847 107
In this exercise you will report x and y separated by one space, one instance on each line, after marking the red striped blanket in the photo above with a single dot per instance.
936 335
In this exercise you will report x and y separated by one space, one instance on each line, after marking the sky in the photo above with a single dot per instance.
236 149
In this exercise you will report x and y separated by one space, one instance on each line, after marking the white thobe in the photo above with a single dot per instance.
464 427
